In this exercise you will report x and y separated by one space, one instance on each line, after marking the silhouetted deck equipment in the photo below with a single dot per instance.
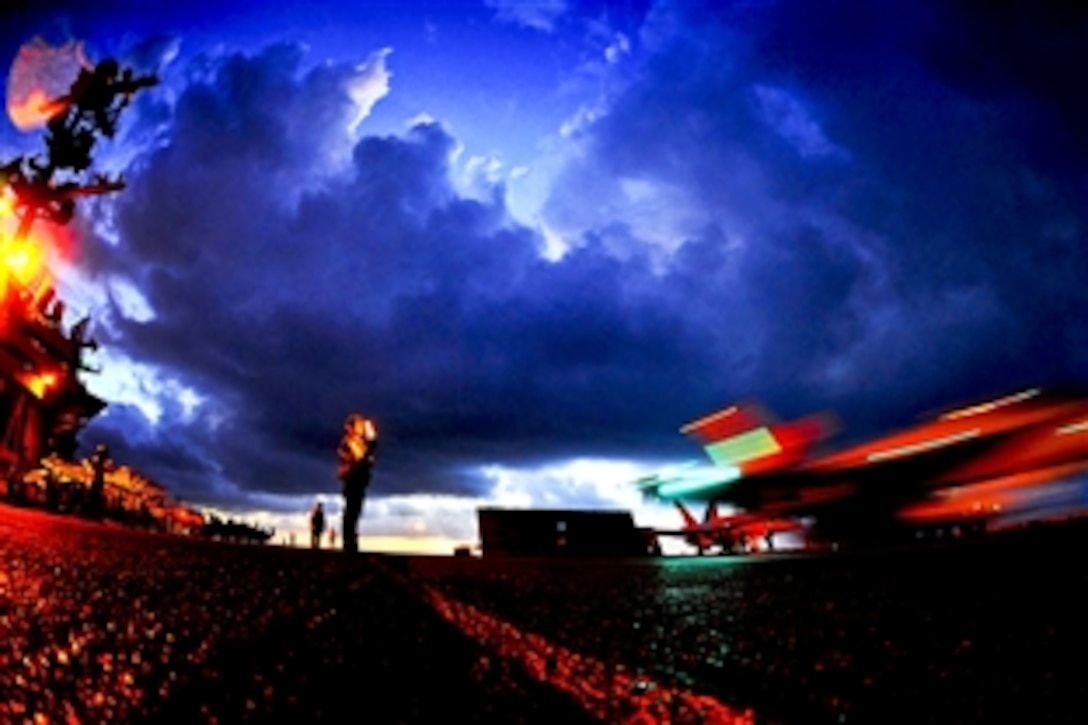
561 533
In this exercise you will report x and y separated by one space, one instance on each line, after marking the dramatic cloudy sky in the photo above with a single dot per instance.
533 238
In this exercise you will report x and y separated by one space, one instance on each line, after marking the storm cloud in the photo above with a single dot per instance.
903 230
287 297
827 207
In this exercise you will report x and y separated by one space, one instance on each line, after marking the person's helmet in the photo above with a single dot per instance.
361 426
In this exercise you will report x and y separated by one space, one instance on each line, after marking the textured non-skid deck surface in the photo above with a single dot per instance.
100 623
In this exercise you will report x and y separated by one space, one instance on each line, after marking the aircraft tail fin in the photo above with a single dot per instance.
728 422
748 437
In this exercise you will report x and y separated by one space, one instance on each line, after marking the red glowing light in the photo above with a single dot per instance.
34 110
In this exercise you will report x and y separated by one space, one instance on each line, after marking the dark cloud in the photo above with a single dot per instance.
864 216
905 233
289 304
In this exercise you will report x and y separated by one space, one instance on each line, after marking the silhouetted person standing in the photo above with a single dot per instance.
317 525
356 453
99 461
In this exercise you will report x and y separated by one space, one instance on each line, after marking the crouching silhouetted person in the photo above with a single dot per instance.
356 453
317 525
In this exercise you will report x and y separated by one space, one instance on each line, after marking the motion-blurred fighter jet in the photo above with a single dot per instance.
966 466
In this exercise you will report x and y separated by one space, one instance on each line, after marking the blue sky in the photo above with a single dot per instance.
533 239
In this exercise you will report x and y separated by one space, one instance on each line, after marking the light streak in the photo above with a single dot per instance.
698 480
1080 427
656 479
708 419
923 446
991 405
